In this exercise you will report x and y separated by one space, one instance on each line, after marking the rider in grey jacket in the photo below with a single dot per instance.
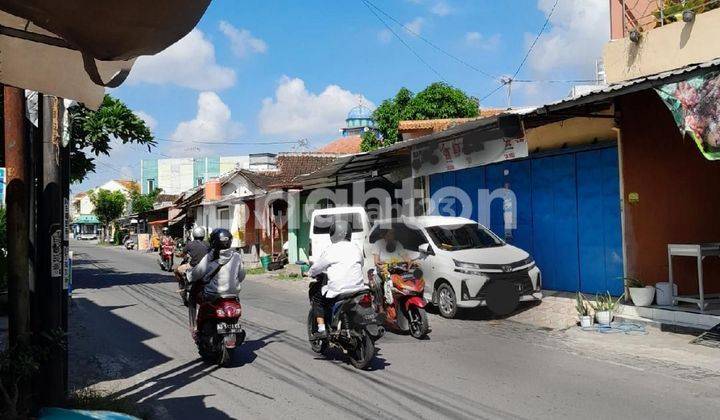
221 269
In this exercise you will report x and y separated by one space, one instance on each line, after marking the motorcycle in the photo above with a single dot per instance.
167 252
351 322
404 305
218 327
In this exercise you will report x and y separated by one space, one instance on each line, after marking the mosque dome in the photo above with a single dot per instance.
360 112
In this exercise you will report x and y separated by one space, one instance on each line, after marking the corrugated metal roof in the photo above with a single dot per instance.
630 86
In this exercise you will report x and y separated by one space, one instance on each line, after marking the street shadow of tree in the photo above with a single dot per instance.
482 313
87 275
99 353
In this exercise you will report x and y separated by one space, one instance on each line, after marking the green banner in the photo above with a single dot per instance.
695 105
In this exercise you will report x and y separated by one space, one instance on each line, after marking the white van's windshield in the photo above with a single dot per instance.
322 222
457 237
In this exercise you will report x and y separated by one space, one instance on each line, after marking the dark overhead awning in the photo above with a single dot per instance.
112 29
380 162
73 49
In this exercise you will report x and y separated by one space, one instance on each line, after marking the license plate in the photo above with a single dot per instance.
225 328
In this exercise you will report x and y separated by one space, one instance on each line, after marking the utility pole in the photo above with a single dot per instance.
17 202
50 227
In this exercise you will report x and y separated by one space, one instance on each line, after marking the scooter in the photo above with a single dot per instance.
404 305
351 323
167 253
218 327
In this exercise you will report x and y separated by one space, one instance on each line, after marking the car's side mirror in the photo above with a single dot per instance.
425 249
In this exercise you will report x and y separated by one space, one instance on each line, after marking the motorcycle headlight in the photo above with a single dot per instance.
462 264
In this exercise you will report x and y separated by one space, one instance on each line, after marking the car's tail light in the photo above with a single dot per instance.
366 301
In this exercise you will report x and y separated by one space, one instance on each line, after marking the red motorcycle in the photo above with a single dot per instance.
218 328
406 312
167 252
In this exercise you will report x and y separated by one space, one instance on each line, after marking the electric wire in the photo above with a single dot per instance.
432 44
532 46
411 49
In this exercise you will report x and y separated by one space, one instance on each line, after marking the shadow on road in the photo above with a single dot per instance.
101 344
482 313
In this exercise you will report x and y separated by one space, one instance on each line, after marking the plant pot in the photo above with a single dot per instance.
586 321
603 317
642 296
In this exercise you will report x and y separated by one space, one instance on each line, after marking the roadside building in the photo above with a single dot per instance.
82 208
173 176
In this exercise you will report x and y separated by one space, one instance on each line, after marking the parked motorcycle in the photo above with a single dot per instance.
404 305
167 252
218 328
351 323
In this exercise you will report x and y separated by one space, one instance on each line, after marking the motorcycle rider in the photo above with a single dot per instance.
219 272
342 261
194 251
386 250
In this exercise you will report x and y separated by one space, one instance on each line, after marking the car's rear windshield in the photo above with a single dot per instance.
467 236
322 222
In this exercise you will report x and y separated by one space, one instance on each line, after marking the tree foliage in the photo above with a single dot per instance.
143 202
109 205
91 133
439 100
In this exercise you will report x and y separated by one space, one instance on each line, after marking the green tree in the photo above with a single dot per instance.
91 133
109 205
439 100
143 202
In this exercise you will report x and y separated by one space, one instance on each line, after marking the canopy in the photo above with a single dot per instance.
74 49
112 29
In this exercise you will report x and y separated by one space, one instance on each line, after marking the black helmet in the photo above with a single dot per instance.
340 231
220 239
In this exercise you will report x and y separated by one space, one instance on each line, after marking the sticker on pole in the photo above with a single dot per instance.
56 254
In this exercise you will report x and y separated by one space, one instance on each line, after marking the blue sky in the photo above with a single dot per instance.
264 71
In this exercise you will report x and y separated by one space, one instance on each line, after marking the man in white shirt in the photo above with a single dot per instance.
342 261
388 249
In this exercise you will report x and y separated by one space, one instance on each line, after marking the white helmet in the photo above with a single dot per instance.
198 233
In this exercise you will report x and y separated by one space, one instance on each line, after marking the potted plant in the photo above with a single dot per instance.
604 307
640 294
583 310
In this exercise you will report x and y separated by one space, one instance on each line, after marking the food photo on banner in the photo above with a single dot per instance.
695 105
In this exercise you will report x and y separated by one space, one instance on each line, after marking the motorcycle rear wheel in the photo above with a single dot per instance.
419 325
364 352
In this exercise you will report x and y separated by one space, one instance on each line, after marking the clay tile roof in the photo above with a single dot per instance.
291 165
443 124
343 146
80 195
129 185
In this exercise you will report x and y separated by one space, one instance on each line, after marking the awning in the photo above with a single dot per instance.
86 219
383 161
158 222
74 49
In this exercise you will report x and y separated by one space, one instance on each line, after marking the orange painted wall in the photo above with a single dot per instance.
678 188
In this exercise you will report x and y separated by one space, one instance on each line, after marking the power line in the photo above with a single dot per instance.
492 92
532 46
422 60
432 44
229 143
554 81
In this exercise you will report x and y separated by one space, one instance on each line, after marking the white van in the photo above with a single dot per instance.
463 262
322 219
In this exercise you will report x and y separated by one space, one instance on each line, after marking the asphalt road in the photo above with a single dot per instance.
129 337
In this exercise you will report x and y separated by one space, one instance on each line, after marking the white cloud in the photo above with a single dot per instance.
189 63
242 41
213 122
478 40
578 32
415 25
150 121
385 36
295 111
441 8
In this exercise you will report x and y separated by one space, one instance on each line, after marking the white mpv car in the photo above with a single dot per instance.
463 262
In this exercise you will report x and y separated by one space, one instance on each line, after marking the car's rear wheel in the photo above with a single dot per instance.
447 301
